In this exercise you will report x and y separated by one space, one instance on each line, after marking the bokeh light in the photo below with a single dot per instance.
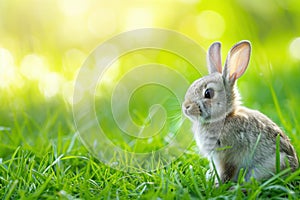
139 18
102 22
295 48
74 7
34 67
190 1
210 24
47 39
50 84
8 71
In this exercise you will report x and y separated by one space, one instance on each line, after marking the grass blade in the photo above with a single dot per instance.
277 153
11 189
195 183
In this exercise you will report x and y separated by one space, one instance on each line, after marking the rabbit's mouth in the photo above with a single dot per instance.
191 109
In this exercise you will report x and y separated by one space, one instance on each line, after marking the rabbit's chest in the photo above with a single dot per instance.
206 142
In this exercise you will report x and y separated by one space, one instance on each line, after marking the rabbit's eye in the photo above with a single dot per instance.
209 93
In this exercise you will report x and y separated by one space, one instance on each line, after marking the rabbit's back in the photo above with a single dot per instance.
249 141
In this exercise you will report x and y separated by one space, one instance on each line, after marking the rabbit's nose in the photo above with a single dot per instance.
187 106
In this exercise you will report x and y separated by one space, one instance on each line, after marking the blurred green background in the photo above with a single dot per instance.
44 43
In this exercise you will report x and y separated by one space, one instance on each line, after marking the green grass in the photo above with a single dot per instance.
76 174
42 158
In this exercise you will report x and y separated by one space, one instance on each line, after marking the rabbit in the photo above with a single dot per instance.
231 136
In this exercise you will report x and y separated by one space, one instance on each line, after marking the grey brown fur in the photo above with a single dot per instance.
230 135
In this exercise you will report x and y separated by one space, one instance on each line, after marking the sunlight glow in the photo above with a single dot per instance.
295 48
50 84
73 7
102 22
139 18
210 24
190 1
8 71
33 67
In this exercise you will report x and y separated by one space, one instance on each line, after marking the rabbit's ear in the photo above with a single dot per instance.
214 58
237 61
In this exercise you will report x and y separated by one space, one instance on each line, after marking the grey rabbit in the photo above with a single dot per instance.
231 136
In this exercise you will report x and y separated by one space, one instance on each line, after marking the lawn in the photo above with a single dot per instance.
46 152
